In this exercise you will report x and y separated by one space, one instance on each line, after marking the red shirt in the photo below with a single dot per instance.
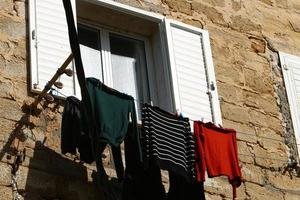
216 151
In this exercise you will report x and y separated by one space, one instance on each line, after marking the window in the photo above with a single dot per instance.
125 66
136 52
291 74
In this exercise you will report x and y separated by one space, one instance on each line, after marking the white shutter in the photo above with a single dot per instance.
291 74
49 44
192 72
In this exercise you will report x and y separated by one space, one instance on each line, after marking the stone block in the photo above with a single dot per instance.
258 82
284 182
294 22
236 5
258 45
245 153
180 6
218 186
6 6
12 26
220 3
282 3
14 71
213 196
5 174
269 158
230 93
266 103
257 192
193 22
155 2
229 73
211 12
6 193
291 196
20 8
6 128
244 25
256 62
11 89
267 2
264 120
235 113
10 110
44 185
245 132
253 174
294 4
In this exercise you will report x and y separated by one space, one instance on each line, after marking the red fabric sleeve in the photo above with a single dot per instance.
199 152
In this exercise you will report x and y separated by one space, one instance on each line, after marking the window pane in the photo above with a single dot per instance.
129 68
90 51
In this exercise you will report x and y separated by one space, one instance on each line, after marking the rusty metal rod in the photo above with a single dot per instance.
58 73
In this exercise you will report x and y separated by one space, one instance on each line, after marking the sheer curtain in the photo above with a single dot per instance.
129 68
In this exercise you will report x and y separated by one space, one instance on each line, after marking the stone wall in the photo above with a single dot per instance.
245 38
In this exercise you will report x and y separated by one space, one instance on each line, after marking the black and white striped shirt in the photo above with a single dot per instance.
168 141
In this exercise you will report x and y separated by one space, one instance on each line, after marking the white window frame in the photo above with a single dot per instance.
128 10
291 94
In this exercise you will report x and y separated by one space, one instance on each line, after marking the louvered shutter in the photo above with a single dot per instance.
192 72
291 74
49 44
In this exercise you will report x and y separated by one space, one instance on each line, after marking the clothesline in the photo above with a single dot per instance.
253 156
238 132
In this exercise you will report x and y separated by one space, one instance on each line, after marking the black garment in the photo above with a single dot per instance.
145 184
73 136
180 189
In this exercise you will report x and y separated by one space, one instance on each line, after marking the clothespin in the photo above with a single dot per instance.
202 119
179 114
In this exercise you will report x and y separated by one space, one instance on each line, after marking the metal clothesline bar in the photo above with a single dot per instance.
49 85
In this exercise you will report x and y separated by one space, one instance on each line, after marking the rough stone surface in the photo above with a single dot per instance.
257 192
212 13
244 35
253 174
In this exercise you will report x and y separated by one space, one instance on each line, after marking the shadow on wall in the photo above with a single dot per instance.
51 176
44 174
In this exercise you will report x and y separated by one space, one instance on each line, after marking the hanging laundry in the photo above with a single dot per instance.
112 111
216 152
168 141
168 144
182 190
73 136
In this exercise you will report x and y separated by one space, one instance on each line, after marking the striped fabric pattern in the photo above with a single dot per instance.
168 141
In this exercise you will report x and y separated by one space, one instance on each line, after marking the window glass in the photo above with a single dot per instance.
90 47
129 68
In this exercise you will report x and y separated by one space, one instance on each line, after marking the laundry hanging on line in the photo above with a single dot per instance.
166 140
